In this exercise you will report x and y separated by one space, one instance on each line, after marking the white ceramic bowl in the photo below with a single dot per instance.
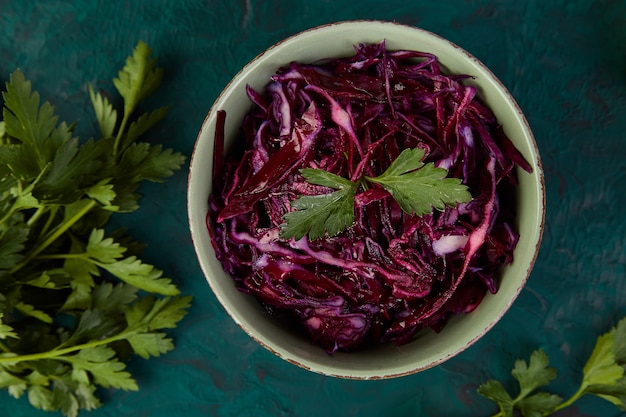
386 361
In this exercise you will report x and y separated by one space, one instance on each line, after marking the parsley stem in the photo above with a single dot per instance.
40 211
118 138
54 353
7 217
62 256
571 400
48 223
10 213
64 227
4 348
120 132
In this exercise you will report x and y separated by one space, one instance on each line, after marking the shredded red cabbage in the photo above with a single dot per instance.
390 274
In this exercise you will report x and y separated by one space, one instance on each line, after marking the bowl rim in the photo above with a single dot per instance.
536 240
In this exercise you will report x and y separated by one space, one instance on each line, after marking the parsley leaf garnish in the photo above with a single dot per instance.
88 298
416 187
324 213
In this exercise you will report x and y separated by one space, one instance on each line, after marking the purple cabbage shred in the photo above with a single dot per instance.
390 274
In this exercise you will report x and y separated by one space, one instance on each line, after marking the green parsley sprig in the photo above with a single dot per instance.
76 301
603 376
416 187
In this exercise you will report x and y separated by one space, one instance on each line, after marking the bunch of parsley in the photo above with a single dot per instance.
604 375
75 300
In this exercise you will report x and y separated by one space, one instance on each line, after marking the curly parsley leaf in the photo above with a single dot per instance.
324 213
418 187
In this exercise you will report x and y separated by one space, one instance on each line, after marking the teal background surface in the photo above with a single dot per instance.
563 60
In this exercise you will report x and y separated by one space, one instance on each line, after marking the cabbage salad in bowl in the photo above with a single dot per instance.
370 197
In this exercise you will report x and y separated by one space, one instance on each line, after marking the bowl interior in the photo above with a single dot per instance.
429 349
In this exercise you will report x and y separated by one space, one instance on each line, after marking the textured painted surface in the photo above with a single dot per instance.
563 60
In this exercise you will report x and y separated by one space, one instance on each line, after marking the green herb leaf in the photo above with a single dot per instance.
108 372
150 344
535 374
321 214
530 376
29 123
143 123
494 390
6 331
139 77
613 393
603 376
103 250
142 161
601 368
149 315
13 236
47 279
154 314
126 199
92 324
418 187
104 193
70 396
619 342
325 178
72 169
42 398
538 405
82 272
106 115
113 299
56 195
31 311
9 380
143 276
